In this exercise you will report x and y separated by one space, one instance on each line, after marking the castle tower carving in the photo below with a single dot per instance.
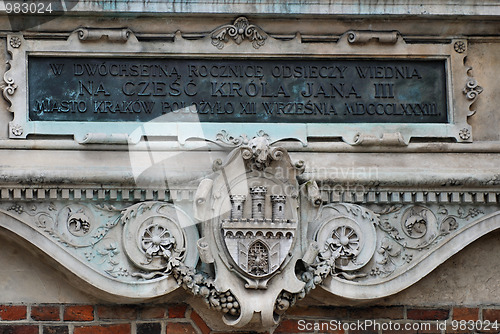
278 206
237 203
258 202
258 195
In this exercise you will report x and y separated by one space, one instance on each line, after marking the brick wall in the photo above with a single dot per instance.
180 318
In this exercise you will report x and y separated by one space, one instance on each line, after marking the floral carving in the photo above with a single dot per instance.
240 30
416 224
459 47
17 130
157 241
78 223
15 42
227 139
344 243
386 257
464 134
235 141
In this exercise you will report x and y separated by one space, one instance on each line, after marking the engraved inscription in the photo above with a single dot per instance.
237 90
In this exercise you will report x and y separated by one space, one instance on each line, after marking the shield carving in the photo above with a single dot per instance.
250 232
255 211
258 235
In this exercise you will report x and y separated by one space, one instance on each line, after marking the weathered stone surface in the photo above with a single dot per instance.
370 221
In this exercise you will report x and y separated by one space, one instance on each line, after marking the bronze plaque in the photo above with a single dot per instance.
326 90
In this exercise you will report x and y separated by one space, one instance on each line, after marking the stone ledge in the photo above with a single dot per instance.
318 7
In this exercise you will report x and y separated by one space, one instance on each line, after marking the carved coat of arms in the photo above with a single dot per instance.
250 212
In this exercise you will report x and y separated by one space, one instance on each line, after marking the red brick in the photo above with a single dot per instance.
18 329
180 328
200 323
414 327
491 314
362 331
13 312
242 332
177 311
457 330
106 312
492 328
291 326
326 328
79 313
55 330
303 326
372 313
149 328
45 313
428 314
152 312
465 313
319 312
105 329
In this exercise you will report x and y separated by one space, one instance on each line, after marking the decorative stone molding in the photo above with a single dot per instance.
411 241
268 239
15 42
361 37
113 35
8 86
387 139
471 90
460 46
240 30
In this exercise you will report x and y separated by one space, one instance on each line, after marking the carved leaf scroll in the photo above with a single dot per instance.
240 30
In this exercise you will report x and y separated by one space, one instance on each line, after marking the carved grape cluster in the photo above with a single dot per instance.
16 208
199 284
228 304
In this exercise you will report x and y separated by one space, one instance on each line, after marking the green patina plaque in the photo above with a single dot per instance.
326 90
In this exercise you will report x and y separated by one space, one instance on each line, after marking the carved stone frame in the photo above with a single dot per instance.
352 44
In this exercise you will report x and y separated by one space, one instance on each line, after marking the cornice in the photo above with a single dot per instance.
318 7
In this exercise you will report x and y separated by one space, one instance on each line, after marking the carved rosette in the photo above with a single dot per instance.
240 30
346 236
153 237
